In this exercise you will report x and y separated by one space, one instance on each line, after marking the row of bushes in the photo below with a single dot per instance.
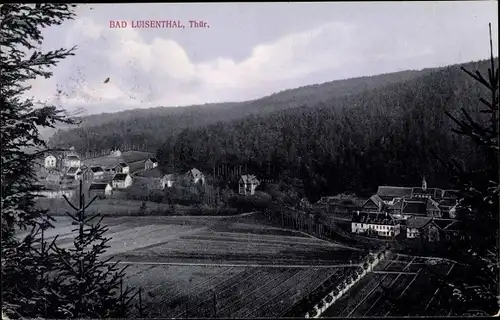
335 284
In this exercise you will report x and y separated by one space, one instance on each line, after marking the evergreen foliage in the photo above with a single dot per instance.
40 279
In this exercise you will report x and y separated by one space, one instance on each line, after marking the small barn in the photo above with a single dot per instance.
150 163
100 190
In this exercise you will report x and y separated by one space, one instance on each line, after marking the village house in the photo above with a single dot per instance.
151 163
432 229
98 172
247 184
71 161
100 190
168 180
122 167
381 224
374 204
121 181
195 176
85 174
115 153
50 162
73 172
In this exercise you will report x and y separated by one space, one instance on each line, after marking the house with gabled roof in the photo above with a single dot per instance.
100 189
374 204
122 167
377 223
195 176
71 161
247 184
433 209
150 163
73 172
85 174
121 181
98 172
168 180
432 229
50 162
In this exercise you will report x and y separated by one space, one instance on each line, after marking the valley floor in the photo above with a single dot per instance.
185 264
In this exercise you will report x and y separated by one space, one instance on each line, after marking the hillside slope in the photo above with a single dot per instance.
147 129
350 143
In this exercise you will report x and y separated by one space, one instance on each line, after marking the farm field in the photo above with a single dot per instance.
181 262
238 292
398 286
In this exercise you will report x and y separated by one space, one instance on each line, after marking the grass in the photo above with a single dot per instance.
123 207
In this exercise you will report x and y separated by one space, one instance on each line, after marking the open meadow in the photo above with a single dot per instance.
184 264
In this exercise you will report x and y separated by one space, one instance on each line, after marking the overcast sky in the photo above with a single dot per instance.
252 50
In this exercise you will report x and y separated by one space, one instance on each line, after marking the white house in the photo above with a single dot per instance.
194 175
122 167
247 184
151 163
168 180
98 172
377 223
50 162
115 153
72 161
100 189
121 181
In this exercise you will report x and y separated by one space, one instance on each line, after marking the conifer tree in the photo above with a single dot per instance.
36 279
478 209
23 266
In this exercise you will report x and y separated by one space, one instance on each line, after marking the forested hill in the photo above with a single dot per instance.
147 129
355 142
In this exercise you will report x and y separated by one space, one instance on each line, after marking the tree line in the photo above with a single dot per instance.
392 135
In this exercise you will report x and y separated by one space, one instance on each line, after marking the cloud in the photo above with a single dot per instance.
158 71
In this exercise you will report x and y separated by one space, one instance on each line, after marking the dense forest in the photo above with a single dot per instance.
341 136
387 135
147 129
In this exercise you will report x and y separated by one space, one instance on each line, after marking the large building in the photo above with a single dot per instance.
408 201
375 223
